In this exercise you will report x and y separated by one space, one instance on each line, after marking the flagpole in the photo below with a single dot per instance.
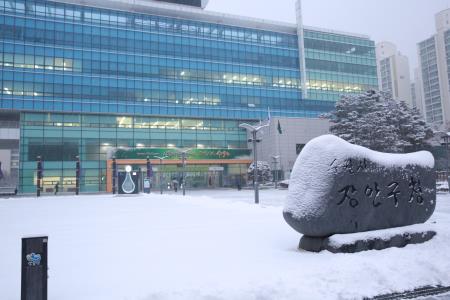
278 145
278 140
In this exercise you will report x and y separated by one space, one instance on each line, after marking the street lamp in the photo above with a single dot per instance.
114 175
275 163
39 176
446 138
183 162
77 175
160 171
253 129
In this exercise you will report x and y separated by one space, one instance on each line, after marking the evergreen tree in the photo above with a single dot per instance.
376 121
413 130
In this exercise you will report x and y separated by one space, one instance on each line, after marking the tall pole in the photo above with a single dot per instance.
275 170
77 176
160 172
183 160
275 167
276 174
240 177
39 176
446 140
160 175
254 130
301 47
255 168
183 170
149 173
114 175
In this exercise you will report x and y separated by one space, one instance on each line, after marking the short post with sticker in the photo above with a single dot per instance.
34 268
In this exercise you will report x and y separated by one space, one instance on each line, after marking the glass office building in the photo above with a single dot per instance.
337 64
88 77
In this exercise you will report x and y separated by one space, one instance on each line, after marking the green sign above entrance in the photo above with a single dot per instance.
174 154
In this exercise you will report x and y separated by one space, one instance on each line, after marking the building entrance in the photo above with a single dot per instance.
203 168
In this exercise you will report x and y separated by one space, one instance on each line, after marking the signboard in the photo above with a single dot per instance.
174 154
147 185
216 169
34 268
128 182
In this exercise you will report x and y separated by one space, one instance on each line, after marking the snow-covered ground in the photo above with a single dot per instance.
207 245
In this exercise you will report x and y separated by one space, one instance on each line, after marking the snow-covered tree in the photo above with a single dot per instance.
413 131
263 171
376 121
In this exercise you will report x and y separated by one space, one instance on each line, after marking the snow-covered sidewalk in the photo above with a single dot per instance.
208 245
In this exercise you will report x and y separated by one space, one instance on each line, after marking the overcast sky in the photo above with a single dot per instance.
403 22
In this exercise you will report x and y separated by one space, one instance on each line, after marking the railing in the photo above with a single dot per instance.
8 190
442 175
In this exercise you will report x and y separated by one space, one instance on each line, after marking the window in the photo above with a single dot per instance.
299 148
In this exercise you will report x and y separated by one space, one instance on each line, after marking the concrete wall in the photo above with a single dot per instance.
294 131
9 133
5 159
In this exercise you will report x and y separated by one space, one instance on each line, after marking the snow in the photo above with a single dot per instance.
212 244
442 186
310 177
338 240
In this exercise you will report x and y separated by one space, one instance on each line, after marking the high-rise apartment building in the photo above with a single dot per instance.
434 63
88 78
393 72
416 91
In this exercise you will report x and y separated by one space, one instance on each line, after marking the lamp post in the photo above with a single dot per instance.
253 129
39 176
183 162
77 175
275 163
149 175
114 175
446 141
160 171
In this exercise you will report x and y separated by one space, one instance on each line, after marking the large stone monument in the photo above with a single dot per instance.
340 188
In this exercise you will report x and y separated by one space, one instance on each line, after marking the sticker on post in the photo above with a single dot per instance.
34 259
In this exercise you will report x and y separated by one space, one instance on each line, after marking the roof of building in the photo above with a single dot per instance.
196 3
196 13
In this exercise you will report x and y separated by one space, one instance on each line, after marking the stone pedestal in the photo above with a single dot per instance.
375 240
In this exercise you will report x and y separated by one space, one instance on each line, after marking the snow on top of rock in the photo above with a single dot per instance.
309 177
331 145
338 240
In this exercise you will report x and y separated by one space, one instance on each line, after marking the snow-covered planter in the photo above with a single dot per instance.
337 187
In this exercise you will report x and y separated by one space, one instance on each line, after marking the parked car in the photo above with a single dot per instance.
284 183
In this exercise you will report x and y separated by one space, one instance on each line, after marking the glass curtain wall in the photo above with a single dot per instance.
338 64
59 138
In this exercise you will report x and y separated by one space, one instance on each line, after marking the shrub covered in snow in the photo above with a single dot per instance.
263 171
